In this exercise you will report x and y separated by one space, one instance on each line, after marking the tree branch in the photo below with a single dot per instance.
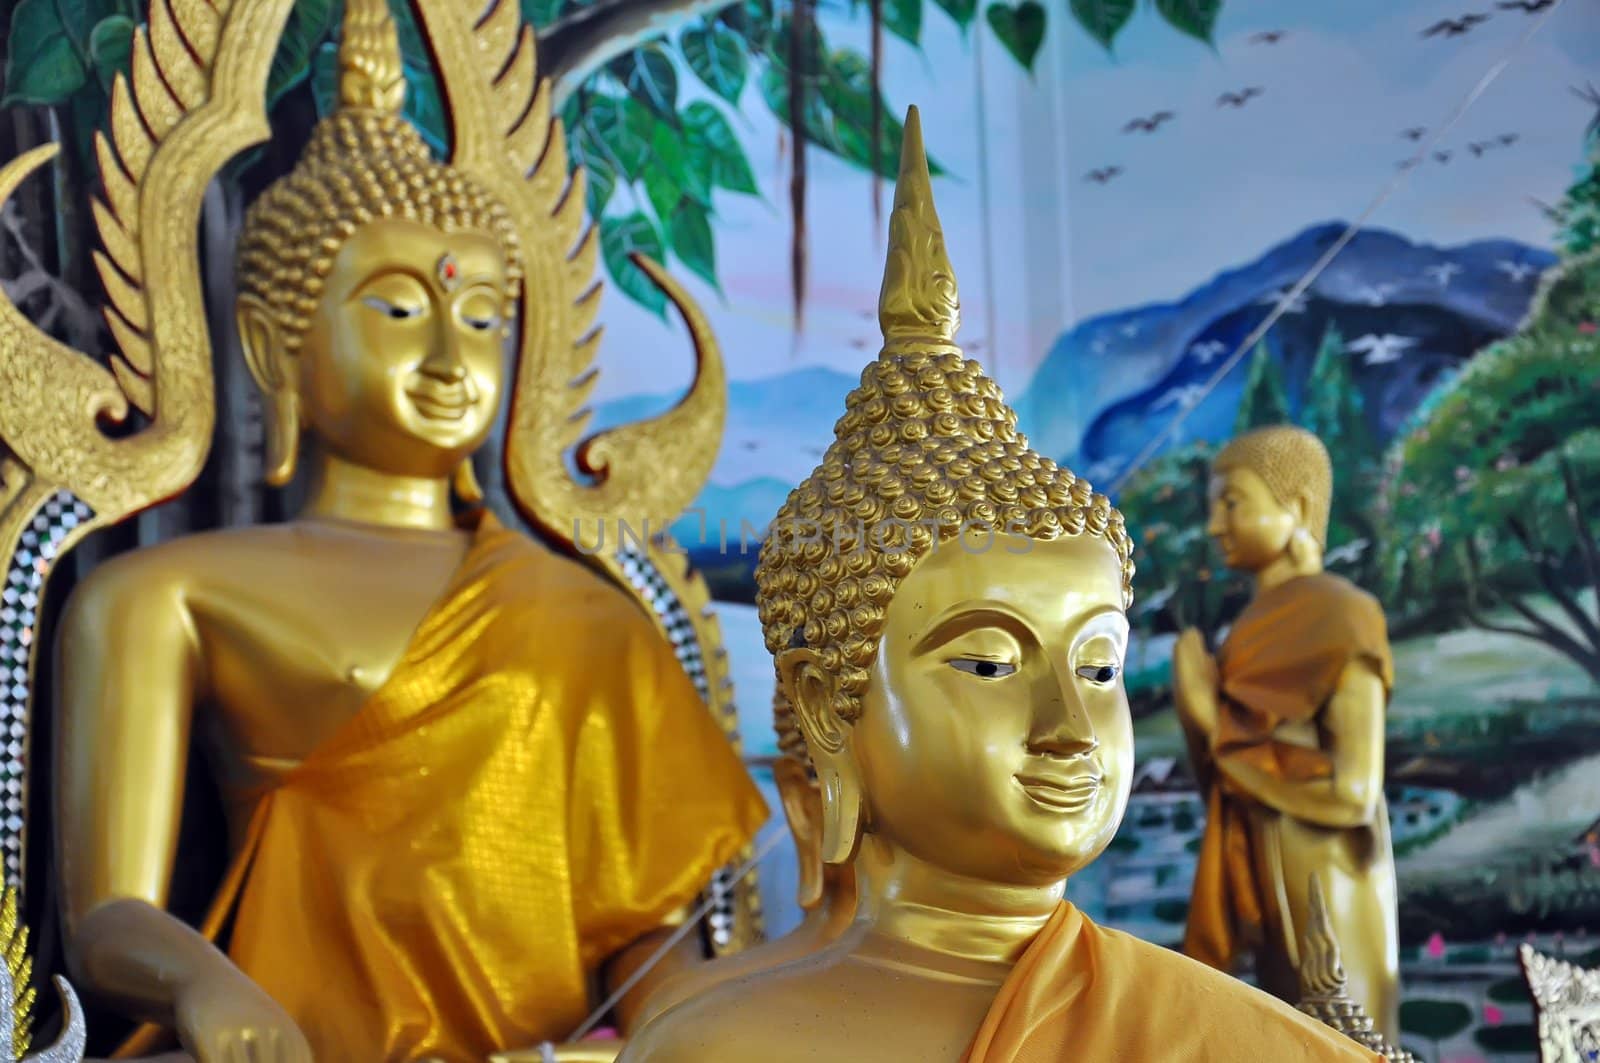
1542 629
574 47
1548 570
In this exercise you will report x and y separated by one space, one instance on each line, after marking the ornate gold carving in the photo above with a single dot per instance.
1323 986
1566 998
370 72
918 304
17 998
195 96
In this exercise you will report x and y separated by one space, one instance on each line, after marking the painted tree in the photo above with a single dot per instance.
655 158
1494 498
1579 213
1263 401
1332 411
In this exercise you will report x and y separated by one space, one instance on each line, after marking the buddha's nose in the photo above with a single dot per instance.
443 364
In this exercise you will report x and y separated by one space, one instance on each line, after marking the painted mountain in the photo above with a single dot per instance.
1410 313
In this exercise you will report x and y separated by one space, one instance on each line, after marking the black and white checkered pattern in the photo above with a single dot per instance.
19 626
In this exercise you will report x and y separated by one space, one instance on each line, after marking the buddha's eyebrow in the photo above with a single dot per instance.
1107 620
965 618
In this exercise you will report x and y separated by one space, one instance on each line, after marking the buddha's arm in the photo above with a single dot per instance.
1352 727
683 955
127 683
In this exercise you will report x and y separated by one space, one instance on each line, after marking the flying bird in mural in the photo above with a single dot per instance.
1407 164
1184 397
1416 132
1380 349
1443 273
1237 99
1297 305
1377 294
1455 27
1507 139
1103 175
1442 156
1207 351
1530 6
1269 36
1478 147
1517 271
1149 125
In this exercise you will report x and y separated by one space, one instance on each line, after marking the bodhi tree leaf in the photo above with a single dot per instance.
621 237
903 18
1197 18
44 63
693 243
111 46
730 169
1102 19
308 27
649 76
1020 29
716 55
963 11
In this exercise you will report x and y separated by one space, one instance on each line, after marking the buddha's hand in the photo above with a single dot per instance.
1194 682
224 1017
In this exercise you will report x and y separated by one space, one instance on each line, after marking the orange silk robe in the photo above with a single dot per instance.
1082 992
1279 666
536 785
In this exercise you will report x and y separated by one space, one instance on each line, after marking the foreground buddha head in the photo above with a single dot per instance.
375 283
946 607
1271 492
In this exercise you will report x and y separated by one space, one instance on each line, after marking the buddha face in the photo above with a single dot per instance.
994 739
1251 527
401 365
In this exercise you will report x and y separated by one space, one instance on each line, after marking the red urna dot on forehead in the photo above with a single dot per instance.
449 272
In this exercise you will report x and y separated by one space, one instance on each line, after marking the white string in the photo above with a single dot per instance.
774 836
1289 298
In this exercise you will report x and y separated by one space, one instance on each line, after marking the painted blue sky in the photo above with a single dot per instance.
1039 248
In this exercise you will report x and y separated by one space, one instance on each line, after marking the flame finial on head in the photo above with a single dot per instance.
918 306
371 76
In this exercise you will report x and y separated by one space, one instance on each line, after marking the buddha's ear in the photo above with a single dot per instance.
260 336
811 691
802 807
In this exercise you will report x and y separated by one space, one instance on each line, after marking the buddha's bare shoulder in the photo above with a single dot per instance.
157 576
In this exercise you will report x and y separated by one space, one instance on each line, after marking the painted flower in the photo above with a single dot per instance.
1435 946
1493 1015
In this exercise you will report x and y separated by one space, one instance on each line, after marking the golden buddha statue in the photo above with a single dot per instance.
826 892
465 779
947 613
1286 731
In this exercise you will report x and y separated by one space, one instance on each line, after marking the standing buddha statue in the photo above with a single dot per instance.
464 778
1286 731
947 610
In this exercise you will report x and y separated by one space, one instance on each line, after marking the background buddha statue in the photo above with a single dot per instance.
464 777
1286 731
947 613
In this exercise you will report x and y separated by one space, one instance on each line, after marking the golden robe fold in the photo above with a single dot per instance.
1279 666
536 785
1082 992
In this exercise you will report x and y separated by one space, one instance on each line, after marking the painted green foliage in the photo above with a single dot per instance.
1263 402
657 153
1495 491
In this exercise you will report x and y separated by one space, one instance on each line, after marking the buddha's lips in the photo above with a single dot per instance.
446 404
1061 793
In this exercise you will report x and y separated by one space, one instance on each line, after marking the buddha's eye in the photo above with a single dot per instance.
983 669
480 322
391 310
1099 673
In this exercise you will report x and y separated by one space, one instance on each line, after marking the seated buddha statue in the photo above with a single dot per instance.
465 778
1286 731
826 892
947 610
